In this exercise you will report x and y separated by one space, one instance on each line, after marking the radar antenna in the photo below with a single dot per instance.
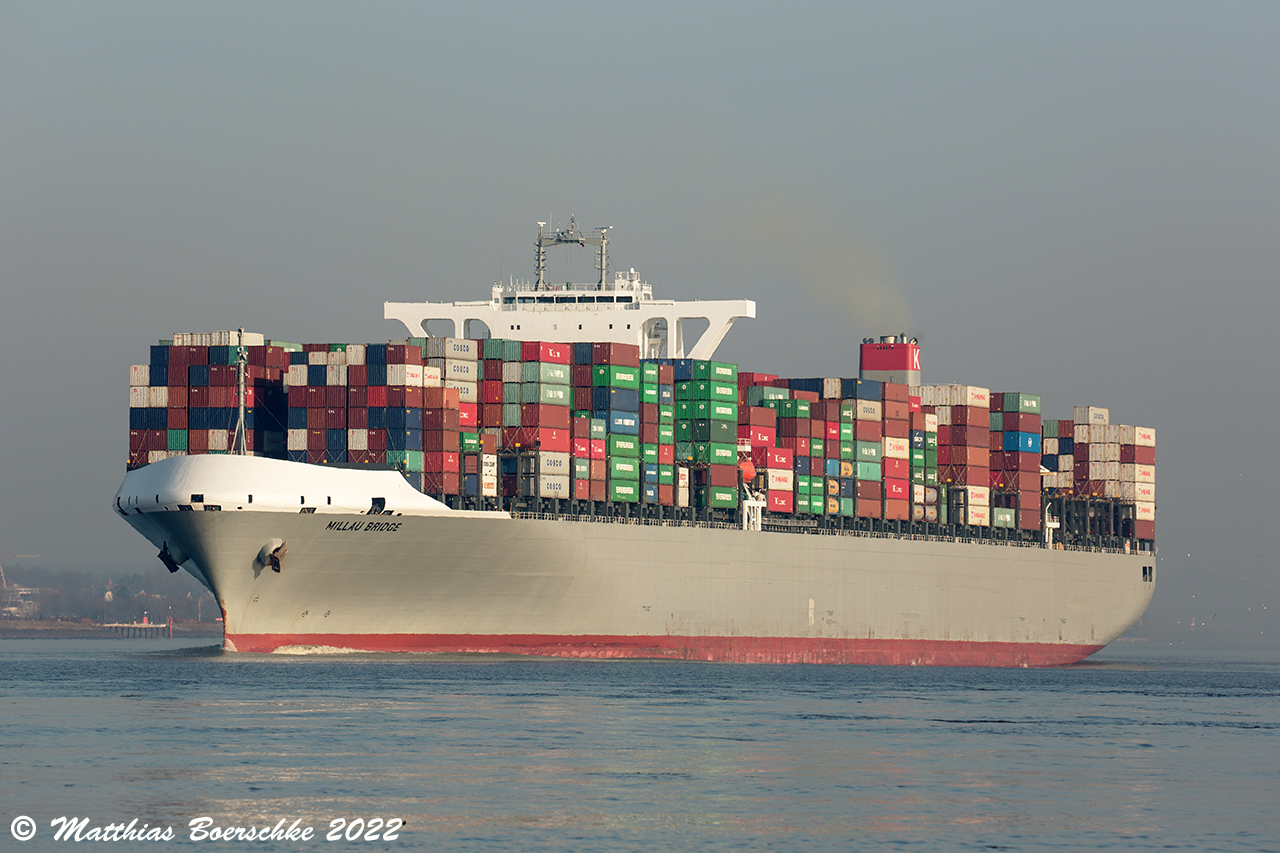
571 235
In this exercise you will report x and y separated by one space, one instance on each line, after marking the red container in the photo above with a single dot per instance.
552 353
792 427
582 399
491 391
441 419
758 436
317 439
599 469
359 457
976 457
197 397
598 449
649 433
217 397
666 495
897 510
966 475
440 482
1029 500
817 429
896 429
746 380
177 418
758 416
897 490
798 444
894 391
896 410
492 368
917 420
648 413
378 396
138 440
580 376
970 436
440 398
995 442
869 490
223 374
358 418
897 469
317 418
996 401
666 374
1081 469
621 355
440 461
582 489
315 457
488 443
810 396
358 396
868 509
944 435
944 455
490 415
868 431
1066 429
335 418
581 427
468 416
580 448
599 490
310 348
1021 422
723 475
1129 454
781 502
357 374
404 354
538 415
377 440
198 440
316 398
666 454
1144 529
913 405
440 441
541 438
1029 519
974 416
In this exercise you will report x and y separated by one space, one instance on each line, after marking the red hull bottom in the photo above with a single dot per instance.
727 649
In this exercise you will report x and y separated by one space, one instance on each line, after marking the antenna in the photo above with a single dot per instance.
242 357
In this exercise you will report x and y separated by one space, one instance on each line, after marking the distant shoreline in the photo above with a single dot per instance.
53 629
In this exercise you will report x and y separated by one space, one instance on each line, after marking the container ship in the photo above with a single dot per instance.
572 475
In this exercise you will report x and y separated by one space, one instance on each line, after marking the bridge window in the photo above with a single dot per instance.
604 299
526 300
564 299
591 299
508 300
546 300
195 499
624 298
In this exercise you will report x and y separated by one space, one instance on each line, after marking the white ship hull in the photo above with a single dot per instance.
426 578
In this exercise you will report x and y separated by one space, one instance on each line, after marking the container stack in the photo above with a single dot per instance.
964 446
658 432
706 429
1016 450
1057 457
1138 478
1096 448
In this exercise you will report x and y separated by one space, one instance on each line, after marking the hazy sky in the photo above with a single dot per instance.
1078 200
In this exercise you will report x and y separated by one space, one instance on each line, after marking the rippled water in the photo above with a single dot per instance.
1139 748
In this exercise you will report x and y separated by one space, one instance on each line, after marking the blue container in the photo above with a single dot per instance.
197 418
198 375
335 439
864 389
1049 462
812 385
376 354
332 457
157 418
296 455
404 439
509 465
414 478
651 493
1066 446
582 353
399 417
624 423
650 473
249 418
159 375
377 374
297 417
218 355
831 467
683 368
138 418
667 395
1022 442
626 399
221 418
846 487
470 484
377 417
159 356
317 375
801 465
297 358
917 439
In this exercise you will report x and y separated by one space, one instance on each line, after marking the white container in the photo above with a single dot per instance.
979 495
831 388
297 376
682 496
550 486
917 494
317 358
218 439
1049 447
979 515
1112 489
971 395
781 481
1145 511
1080 434
296 439
868 410
1097 434
335 375
355 354
943 414
459 348
431 378
139 397
1113 434
453 368
682 479
895 448
550 462
1066 465
489 485
158 397
467 392
930 423
489 464
139 375
1144 436
1092 415
157 455
512 371
1110 453
357 439
1138 473
338 357
1144 492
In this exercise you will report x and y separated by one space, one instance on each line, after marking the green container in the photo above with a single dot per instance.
724 392
708 430
405 460
547 395
613 376
817 502
870 471
343 347
666 475
599 428
758 395
666 434
930 458
666 413
802 484
846 507
684 431
492 348
511 414
721 410
581 468
848 410
469 442
846 432
997 421
177 439
544 372
816 447
512 351
791 408
511 392
1027 403
624 491
1001 517
649 454
623 445
715 496
918 476
931 441
848 450
917 458
719 371
649 394
715 453
931 476
1049 429
649 374
624 468
867 451
685 451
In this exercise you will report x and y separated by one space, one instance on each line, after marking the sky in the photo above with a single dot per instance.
1078 200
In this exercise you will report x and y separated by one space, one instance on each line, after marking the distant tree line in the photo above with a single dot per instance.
79 594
